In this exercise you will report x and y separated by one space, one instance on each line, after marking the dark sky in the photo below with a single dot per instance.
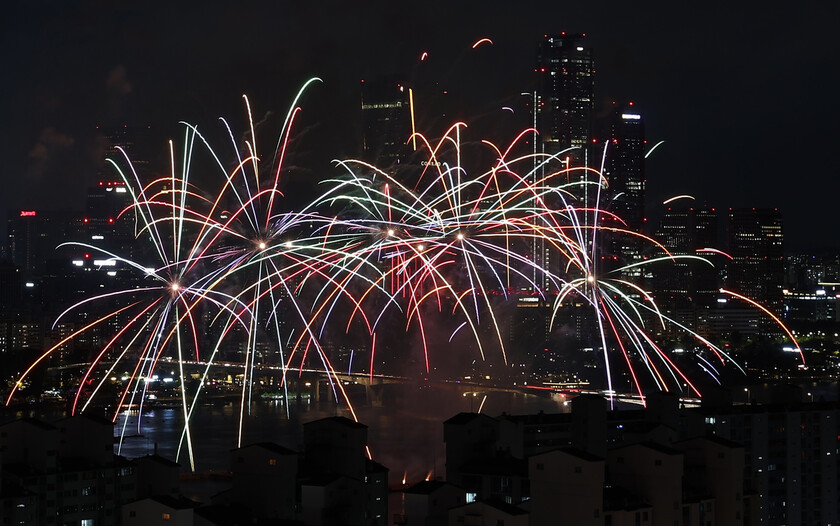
744 96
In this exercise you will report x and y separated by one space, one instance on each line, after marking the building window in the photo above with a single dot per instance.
272 462
166 517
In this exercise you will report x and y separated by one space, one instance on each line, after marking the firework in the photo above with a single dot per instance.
157 317
446 237
435 240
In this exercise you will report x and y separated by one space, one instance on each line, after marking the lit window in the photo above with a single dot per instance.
166 517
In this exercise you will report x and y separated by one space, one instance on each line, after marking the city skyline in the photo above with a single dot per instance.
563 110
271 268
713 84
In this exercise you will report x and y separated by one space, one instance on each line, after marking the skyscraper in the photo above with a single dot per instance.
109 219
386 121
562 114
564 94
33 236
687 286
624 166
137 143
623 150
755 243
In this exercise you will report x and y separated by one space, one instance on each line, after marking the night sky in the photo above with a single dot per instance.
745 96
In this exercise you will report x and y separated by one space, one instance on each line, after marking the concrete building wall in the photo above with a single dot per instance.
150 512
339 500
86 437
655 473
337 445
715 467
484 514
567 487
432 508
156 476
264 480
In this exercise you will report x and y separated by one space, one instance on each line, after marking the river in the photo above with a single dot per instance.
405 425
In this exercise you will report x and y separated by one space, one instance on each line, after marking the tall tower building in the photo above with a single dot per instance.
135 141
624 166
386 121
681 283
33 238
562 114
565 94
755 243
109 219
623 150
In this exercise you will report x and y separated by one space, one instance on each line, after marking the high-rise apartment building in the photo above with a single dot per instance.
790 457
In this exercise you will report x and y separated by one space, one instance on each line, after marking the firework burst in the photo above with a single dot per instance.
433 240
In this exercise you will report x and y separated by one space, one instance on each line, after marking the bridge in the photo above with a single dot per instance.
317 383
